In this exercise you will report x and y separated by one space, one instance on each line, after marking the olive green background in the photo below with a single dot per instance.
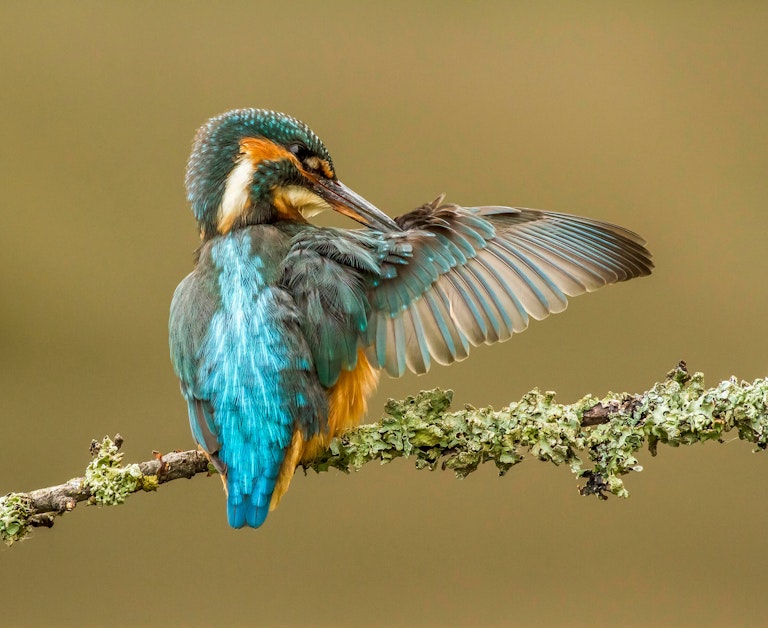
652 116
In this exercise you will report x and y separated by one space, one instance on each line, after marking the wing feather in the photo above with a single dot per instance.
328 273
477 275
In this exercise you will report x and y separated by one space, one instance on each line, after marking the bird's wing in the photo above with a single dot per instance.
192 308
328 273
471 275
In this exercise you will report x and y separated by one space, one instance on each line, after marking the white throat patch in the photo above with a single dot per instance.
236 193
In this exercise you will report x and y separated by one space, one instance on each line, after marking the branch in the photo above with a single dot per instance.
677 411
105 482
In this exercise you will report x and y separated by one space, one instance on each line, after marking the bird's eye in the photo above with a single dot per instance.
310 161
299 151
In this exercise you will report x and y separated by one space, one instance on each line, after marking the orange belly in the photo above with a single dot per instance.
347 403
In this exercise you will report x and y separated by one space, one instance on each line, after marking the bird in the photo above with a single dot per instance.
280 332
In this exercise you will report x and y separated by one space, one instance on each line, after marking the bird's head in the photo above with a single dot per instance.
253 166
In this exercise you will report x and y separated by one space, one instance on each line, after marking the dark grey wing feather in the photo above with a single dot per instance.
328 273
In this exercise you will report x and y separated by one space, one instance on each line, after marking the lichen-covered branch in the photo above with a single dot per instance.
105 482
605 432
608 431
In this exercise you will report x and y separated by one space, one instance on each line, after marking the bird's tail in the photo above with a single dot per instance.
250 508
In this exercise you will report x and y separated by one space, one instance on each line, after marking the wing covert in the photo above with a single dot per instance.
328 273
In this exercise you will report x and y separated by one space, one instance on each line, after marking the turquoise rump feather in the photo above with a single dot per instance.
277 334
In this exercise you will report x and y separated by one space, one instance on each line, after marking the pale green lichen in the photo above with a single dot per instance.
421 426
678 411
109 482
14 517
149 482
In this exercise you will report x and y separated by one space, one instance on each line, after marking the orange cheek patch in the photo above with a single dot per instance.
260 149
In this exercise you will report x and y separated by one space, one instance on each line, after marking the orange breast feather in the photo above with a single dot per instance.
347 403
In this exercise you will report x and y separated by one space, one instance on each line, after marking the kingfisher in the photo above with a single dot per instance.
280 332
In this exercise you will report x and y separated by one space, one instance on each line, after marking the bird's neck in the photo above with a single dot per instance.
262 246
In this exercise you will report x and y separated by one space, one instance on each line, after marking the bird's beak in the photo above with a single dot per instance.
351 204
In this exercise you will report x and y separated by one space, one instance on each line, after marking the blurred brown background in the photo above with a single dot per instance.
650 116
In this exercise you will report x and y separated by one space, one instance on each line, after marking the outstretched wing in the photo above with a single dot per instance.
464 276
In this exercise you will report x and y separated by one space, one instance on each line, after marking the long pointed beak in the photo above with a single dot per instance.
351 204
